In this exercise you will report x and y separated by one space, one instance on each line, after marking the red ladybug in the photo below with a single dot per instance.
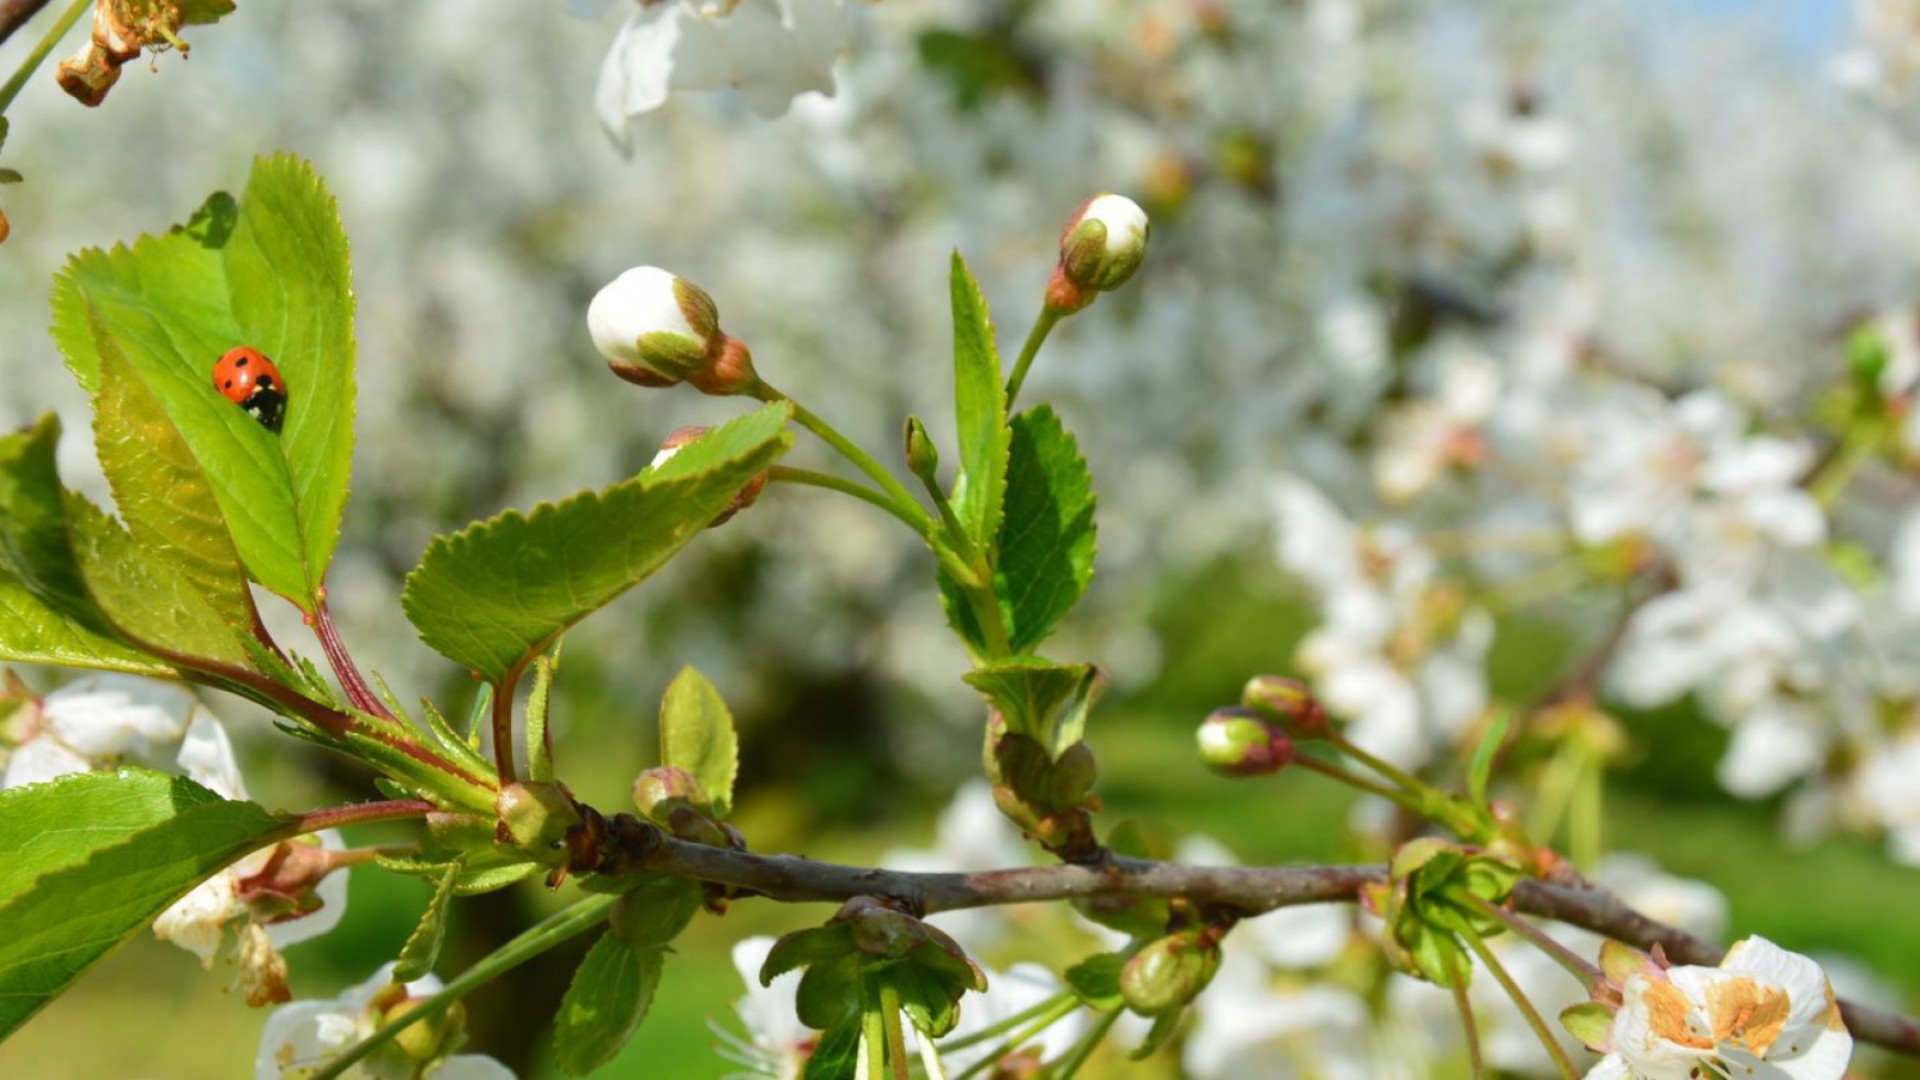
249 380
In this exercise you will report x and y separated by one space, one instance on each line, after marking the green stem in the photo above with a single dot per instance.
47 41
873 1044
1584 835
1858 447
1011 1022
545 935
1576 965
1534 1020
896 1035
1354 780
921 521
1082 1050
1407 781
1465 1008
986 612
948 558
1042 326
1059 1010
787 474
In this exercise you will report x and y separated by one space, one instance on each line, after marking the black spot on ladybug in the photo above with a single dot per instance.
242 362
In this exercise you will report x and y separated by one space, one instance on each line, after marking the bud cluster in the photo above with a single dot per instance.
1051 799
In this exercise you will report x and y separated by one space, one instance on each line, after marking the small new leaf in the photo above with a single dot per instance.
1040 699
696 734
417 956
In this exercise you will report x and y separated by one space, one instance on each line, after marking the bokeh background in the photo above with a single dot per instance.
1712 191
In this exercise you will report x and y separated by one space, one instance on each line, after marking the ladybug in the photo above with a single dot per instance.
249 380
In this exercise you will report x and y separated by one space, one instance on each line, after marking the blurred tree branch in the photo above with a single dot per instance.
17 13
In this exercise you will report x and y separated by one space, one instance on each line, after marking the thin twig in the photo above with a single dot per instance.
17 13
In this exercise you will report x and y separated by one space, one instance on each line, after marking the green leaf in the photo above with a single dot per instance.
829 992
87 861
46 615
1045 701
804 948
1163 1028
696 734
980 412
32 633
930 1002
457 746
837 1055
1047 537
271 272
492 596
10 176
1096 980
1045 544
163 496
417 956
610 994
33 526
146 598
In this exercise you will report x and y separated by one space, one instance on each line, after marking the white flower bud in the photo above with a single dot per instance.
1104 243
654 328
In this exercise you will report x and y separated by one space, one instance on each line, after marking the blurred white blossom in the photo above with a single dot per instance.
771 51
301 1036
95 722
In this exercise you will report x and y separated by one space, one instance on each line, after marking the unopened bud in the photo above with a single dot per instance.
1169 973
1100 248
664 788
748 495
729 370
1236 742
654 329
536 819
1287 702
425 1040
923 457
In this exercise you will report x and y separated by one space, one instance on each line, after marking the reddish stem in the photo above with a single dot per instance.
335 817
358 692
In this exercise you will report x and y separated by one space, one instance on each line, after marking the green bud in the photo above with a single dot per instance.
1287 702
1169 973
536 818
1237 742
1104 243
1591 1023
425 1040
923 457
659 790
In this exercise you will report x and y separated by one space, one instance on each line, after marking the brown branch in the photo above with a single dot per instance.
1602 912
1254 890
15 14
